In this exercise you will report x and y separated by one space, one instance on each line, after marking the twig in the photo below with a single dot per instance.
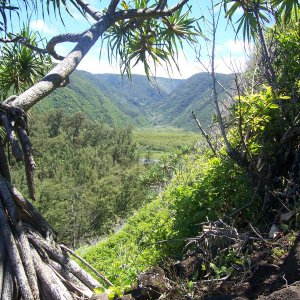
258 234
87 264
247 204
204 134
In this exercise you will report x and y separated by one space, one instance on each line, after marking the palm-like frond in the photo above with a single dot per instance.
21 67
133 41
253 12
287 9
11 8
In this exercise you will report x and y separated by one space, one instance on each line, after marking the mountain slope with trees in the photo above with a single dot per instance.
117 101
193 94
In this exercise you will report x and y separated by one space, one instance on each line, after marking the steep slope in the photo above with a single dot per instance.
117 101
138 91
136 95
194 94
81 95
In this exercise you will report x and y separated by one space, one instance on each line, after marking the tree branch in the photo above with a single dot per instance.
112 6
57 75
87 264
146 12
206 136
62 38
86 7
23 40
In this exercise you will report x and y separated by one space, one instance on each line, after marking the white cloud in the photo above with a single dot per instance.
41 26
188 68
93 65
238 46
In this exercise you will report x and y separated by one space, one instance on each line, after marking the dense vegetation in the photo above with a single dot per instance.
200 189
250 175
253 177
88 179
107 98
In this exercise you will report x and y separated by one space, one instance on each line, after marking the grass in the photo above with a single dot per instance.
158 141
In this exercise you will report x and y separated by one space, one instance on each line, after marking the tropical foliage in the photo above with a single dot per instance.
201 189
133 41
88 179
20 66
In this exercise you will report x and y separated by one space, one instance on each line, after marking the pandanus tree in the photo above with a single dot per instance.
32 264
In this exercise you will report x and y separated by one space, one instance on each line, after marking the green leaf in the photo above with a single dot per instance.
285 97
99 290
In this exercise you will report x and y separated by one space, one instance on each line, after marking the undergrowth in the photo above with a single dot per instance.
201 188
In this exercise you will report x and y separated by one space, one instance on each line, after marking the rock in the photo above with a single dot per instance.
288 293
291 265
99 297
188 268
151 285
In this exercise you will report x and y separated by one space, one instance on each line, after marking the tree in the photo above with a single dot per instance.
32 264
262 132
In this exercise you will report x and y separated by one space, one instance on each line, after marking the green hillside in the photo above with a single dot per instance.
194 94
117 101
82 95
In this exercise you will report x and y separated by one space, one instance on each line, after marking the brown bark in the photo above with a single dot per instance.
9 288
14 255
50 283
57 255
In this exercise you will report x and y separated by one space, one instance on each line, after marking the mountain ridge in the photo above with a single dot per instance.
118 101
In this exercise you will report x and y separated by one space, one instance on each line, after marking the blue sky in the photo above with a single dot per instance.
230 52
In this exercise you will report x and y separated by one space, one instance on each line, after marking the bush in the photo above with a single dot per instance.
201 188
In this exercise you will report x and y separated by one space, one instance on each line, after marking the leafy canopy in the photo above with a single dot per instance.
20 66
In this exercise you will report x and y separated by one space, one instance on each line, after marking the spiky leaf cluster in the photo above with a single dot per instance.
152 40
257 12
20 66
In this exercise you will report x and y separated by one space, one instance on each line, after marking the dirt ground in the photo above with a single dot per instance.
273 273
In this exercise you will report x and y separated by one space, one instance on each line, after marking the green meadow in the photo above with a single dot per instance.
158 141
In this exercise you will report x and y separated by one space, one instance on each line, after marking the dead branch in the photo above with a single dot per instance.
88 265
206 136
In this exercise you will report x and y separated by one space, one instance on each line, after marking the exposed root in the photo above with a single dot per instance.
32 265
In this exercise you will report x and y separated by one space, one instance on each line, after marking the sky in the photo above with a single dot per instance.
231 52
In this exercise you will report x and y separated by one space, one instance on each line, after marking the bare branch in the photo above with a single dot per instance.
23 40
146 12
112 6
86 7
87 264
204 134
62 38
